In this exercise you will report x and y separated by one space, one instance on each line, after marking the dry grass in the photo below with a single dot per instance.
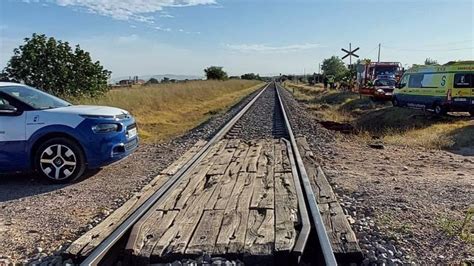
164 111
399 126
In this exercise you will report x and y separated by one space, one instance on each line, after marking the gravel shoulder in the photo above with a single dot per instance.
38 220
405 204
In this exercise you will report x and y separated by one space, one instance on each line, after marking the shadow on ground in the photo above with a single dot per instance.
17 186
463 140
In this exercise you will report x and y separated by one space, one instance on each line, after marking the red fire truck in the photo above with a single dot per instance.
378 79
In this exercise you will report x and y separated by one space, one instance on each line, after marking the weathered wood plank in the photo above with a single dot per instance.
174 167
227 181
231 238
263 193
260 236
252 157
175 240
282 162
222 162
179 196
340 233
146 233
286 212
204 238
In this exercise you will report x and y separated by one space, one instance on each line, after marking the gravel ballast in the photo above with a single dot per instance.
263 120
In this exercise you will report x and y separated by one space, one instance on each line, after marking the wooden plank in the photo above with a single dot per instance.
175 240
260 236
222 162
174 167
146 233
286 212
179 196
231 238
227 181
204 238
252 157
343 240
263 193
282 162
233 143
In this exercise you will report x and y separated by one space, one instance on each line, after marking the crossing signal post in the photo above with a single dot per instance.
350 53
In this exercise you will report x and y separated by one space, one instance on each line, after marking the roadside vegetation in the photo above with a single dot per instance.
394 125
167 110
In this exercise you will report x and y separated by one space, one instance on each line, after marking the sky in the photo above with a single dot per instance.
146 37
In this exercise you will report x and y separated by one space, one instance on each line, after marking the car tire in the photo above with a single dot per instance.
439 109
60 160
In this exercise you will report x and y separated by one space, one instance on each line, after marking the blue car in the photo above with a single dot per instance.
59 140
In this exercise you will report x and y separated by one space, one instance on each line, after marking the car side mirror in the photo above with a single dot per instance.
8 109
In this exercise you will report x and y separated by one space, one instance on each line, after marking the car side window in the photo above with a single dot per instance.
415 81
3 101
463 80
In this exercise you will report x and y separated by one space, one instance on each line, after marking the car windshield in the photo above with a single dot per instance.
385 82
33 97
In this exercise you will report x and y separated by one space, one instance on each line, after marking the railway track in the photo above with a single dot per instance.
244 196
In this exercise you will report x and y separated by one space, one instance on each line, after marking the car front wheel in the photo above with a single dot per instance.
60 160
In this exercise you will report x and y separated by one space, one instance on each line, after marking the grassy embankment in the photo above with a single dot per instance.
400 126
164 111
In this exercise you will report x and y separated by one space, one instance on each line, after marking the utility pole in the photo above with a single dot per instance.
378 58
319 73
350 56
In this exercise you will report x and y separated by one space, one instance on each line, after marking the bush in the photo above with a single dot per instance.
215 72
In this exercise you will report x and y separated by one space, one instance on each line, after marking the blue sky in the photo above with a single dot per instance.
138 37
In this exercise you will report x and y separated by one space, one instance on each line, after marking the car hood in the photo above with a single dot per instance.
92 110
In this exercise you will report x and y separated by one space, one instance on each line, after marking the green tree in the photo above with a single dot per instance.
334 66
215 72
56 68
429 61
152 81
250 76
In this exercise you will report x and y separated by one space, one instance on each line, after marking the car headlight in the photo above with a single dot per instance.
380 90
105 128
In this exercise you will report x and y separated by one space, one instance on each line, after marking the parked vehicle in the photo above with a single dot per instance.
384 72
441 88
59 140
383 88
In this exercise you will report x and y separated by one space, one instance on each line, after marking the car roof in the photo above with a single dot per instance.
4 84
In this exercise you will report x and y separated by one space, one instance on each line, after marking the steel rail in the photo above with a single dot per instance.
303 236
101 250
324 242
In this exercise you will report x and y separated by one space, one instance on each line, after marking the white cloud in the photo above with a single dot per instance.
269 49
166 15
162 29
138 10
128 38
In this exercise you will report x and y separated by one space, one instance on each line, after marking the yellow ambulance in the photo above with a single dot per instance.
441 88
